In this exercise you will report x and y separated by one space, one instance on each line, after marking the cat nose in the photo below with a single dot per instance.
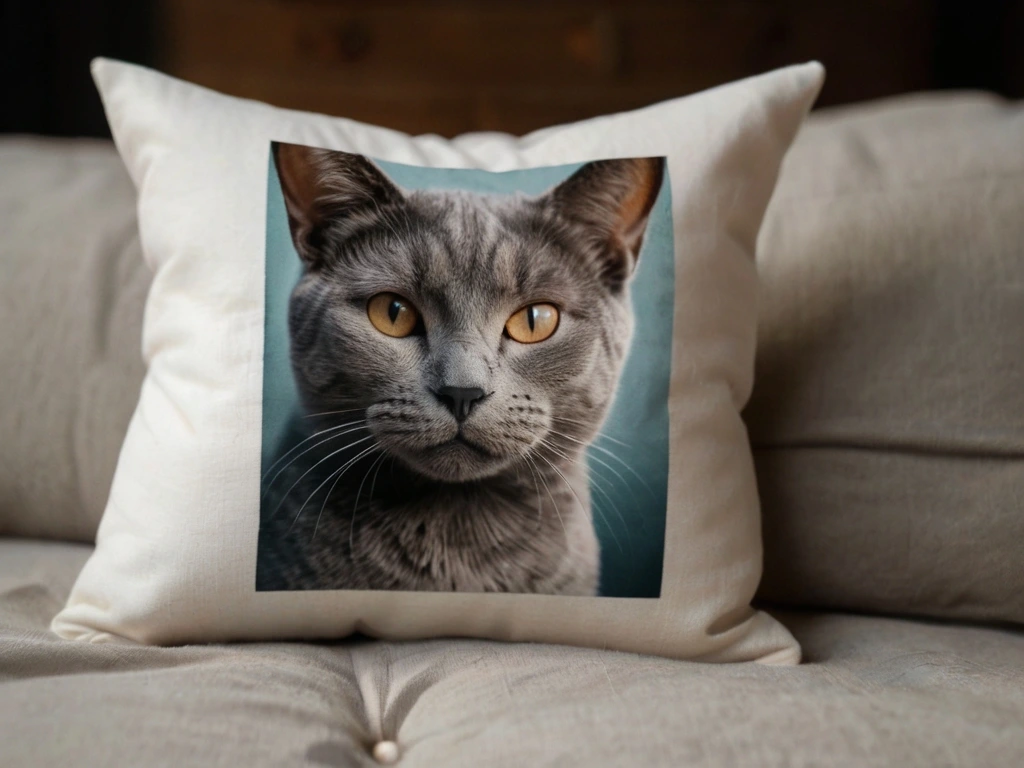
459 400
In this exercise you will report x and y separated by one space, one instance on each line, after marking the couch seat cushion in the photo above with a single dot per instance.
873 691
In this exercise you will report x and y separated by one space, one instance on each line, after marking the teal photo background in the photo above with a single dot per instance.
628 494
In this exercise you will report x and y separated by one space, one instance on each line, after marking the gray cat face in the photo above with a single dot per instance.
477 332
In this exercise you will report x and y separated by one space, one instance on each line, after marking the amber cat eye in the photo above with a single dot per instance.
533 323
392 315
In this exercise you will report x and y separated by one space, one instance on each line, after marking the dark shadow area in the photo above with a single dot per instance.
45 49
449 66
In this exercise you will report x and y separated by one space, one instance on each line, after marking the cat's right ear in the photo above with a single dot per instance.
322 187
611 200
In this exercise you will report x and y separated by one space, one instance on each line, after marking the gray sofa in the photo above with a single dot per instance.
888 425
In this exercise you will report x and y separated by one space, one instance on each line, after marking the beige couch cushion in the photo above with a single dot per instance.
888 410
71 294
874 692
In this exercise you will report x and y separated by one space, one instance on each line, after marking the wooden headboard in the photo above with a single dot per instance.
448 66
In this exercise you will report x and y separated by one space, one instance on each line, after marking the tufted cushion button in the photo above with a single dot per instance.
386 752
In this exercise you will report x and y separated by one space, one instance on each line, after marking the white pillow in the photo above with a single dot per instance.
176 554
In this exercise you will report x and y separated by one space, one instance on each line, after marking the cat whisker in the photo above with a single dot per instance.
618 545
607 466
560 454
593 476
352 522
339 472
555 450
603 485
376 463
615 538
331 413
567 483
306 440
606 487
359 491
373 483
604 463
608 499
536 488
303 453
317 464
337 476
602 435
605 436
554 504
327 498
612 469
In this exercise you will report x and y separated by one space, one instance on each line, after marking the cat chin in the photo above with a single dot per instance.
455 461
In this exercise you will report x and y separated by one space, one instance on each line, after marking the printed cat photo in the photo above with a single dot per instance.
439 377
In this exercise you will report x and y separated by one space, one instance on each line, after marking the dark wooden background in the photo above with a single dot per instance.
448 66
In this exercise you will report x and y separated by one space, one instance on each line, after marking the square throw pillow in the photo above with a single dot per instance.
417 387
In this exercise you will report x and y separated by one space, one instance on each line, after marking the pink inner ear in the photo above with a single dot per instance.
299 180
636 204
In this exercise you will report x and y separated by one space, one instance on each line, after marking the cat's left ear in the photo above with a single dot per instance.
612 200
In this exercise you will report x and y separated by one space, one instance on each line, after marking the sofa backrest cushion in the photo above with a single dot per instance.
72 289
888 406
